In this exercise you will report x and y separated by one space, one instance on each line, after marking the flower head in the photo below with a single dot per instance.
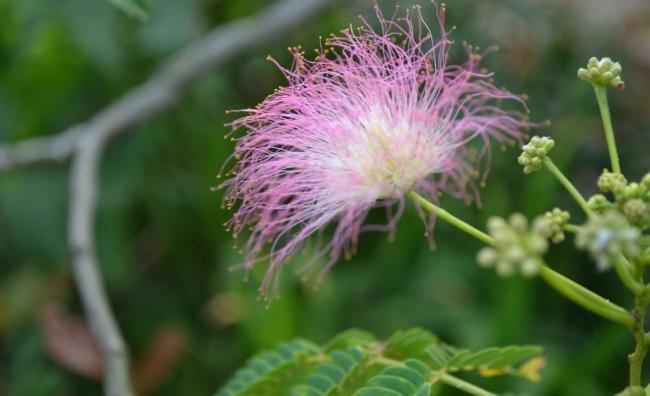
378 113
518 245
603 72
607 236
533 153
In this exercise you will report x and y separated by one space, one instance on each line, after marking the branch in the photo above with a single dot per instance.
84 144
163 89
57 148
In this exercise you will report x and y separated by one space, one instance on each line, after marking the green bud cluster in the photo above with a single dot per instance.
554 222
533 153
598 203
602 72
612 182
606 236
632 199
632 391
518 247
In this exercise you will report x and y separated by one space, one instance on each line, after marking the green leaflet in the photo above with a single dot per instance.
355 363
268 373
411 343
349 338
134 8
494 360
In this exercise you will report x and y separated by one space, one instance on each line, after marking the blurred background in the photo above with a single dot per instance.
188 320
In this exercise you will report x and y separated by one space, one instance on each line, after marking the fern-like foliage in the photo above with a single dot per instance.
410 363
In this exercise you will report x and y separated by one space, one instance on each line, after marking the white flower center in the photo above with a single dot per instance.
382 159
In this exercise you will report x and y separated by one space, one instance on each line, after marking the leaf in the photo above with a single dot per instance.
348 338
413 376
407 380
440 355
423 390
354 363
270 372
345 370
412 343
138 9
159 360
499 357
376 391
490 361
70 342
530 369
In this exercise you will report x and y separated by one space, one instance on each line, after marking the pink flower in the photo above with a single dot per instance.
377 114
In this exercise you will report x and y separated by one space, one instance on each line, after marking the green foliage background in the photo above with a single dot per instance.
161 243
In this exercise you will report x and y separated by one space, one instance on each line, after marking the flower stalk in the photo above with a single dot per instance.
563 285
624 271
603 105
637 357
550 165
450 218
572 228
586 298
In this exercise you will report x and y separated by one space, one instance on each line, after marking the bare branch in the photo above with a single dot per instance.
83 201
85 145
163 89
57 148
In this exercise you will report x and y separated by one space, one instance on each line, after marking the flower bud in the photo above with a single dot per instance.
518 222
487 257
612 182
636 212
533 153
505 268
646 181
633 190
608 235
632 391
530 267
598 203
538 244
552 224
518 245
603 72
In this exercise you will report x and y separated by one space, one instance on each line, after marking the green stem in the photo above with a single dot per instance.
623 270
638 355
644 259
463 385
586 298
603 105
565 286
644 241
449 218
572 228
550 165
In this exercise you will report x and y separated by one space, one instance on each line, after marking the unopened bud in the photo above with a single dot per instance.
636 212
518 246
598 203
553 223
608 235
612 182
533 153
487 257
602 72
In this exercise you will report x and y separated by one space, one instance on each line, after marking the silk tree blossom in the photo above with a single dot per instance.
378 113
